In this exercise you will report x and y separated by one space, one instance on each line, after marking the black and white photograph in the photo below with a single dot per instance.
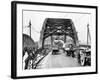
53 40
56 40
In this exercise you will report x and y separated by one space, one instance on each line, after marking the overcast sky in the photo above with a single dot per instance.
37 18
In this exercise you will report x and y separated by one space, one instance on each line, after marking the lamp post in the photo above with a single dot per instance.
30 27
88 34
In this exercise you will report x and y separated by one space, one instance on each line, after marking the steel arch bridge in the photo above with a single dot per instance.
58 26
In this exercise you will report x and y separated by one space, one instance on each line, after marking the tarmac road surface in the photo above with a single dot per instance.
58 61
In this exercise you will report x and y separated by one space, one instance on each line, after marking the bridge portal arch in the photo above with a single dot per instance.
58 27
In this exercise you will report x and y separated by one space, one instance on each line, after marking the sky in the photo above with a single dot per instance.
37 18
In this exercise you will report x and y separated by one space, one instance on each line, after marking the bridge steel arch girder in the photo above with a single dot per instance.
53 30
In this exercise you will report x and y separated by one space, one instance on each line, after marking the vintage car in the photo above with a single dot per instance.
85 57
55 52
70 50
